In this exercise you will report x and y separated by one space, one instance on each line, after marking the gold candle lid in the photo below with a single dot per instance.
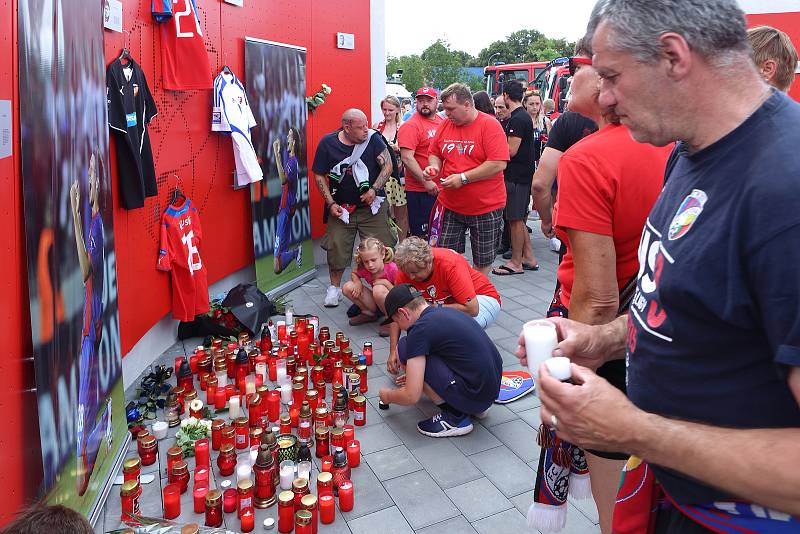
308 501
302 518
325 478
191 528
286 497
129 487
179 468
360 399
241 422
245 485
149 442
300 483
131 464
213 497
217 424
321 431
226 449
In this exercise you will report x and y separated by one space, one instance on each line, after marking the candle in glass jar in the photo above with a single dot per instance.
229 500
199 493
261 370
346 496
285 512
286 471
326 464
354 453
234 407
273 405
244 496
216 433
220 398
248 520
129 495
201 476
327 510
211 394
349 433
324 484
214 508
302 522
309 504
172 501
286 393
201 452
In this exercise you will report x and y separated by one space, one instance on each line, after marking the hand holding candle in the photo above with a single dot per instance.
541 340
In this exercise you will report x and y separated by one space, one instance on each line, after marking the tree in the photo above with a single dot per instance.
524 46
438 66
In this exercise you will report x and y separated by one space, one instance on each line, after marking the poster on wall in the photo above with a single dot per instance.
70 248
276 89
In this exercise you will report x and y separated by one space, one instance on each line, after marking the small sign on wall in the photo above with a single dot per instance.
5 128
239 3
346 41
112 15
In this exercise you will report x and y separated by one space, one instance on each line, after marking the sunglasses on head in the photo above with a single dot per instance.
575 61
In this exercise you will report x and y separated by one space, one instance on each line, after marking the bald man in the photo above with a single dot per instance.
351 167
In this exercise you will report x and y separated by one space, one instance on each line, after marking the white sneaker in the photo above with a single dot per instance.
332 297
555 244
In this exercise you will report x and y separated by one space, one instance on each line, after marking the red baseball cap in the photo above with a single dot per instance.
426 91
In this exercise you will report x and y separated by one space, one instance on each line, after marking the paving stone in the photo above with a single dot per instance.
478 499
446 464
404 425
531 417
455 525
478 440
587 508
392 463
393 409
518 436
507 472
498 413
502 523
375 384
422 502
369 494
388 521
577 523
528 402
376 438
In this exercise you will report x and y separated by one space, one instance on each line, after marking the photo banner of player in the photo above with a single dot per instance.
69 235
276 90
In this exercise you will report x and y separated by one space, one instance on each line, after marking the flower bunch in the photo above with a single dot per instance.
319 98
191 430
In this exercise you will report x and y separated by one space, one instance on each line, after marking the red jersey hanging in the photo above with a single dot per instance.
180 253
184 59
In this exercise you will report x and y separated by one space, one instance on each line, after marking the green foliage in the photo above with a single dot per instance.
524 46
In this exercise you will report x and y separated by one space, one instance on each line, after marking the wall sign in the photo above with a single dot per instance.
239 3
5 128
346 41
112 15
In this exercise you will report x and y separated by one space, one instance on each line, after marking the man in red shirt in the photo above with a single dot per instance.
468 156
414 139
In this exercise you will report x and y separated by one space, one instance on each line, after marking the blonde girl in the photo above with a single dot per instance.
395 190
374 266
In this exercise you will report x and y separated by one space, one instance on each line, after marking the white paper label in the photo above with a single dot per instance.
6 133
239 3
112 15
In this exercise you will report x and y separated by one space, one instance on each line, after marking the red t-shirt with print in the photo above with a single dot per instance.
607 184
462 148
453 280
416 134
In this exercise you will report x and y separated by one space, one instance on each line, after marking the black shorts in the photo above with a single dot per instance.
670 520
518 198
420 205
446 383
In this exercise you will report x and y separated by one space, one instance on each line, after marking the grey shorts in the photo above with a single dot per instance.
484 234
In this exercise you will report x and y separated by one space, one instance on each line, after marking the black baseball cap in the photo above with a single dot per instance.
398 297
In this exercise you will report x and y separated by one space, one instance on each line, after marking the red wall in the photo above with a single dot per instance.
789 23
182 145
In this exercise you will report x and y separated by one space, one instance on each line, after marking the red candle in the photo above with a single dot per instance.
230 391
354 453
172 501
346 496
201 476
220 398
327 511
199 494
285 512
201 452
272 369
229 500
274 405
259 380
349 434
248 520
211 394
327 463
294 415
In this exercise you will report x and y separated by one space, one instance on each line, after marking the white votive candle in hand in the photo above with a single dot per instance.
540 341
559 368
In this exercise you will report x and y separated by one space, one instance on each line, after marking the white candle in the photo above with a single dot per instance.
253 454
286 393
160 429
304 470
540 341
314 322
289 316
261 369
250 385
287 474
559 367
243 472
234 406
280 370
222 379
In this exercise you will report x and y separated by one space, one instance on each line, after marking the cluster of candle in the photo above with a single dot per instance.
302 362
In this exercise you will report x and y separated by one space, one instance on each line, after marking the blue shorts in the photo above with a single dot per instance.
282 234
488 310
446 383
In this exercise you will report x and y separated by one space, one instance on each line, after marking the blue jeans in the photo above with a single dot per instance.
488 310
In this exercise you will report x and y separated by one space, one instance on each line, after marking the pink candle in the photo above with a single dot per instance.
229 500
220 398
201 476
354 453
211 394
199 494
201 452
172 501
248 520
327 463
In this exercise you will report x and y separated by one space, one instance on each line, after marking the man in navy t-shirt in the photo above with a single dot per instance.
446 355
713 335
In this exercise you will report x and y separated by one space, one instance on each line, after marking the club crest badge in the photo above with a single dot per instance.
513 385
688 212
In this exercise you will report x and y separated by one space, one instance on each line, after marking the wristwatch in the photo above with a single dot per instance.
464 180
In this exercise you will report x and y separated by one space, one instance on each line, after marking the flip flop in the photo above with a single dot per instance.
529 267
505 271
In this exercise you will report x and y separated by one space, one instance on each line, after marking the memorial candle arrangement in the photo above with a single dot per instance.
284 378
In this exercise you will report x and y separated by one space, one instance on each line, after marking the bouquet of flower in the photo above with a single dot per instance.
191 430
141 524
319 98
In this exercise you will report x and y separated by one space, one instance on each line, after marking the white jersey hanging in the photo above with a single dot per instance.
232 114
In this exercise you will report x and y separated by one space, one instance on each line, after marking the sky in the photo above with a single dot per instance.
472 25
